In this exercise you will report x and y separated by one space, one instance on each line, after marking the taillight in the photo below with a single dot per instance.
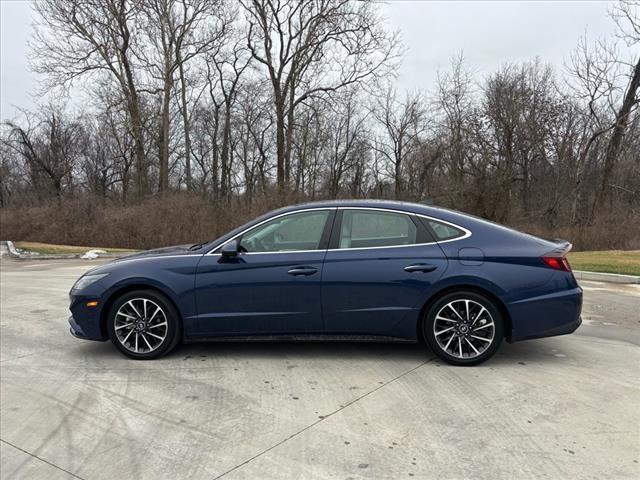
557 263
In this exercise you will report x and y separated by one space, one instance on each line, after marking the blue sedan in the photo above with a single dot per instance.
351 269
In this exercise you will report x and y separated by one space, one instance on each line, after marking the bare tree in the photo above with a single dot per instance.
229 64
313 48
77 38
346 129
627 17
50 146
178 31
403 124
454 103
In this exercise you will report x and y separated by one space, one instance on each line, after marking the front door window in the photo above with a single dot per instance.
295 232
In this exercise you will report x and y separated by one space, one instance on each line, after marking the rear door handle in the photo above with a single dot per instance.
296 271
420 267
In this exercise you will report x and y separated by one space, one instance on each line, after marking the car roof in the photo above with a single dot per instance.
383 204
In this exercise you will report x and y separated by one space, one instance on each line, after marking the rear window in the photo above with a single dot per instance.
444 231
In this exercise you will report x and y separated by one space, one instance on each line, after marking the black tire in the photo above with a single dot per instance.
473 350
172 334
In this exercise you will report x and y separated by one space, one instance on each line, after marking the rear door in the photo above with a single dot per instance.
378 272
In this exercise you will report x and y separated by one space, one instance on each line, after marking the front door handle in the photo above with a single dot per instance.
296 271
420 267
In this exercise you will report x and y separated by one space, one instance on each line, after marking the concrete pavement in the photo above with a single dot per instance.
565 407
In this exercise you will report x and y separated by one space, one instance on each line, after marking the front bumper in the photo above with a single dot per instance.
84 321
77 331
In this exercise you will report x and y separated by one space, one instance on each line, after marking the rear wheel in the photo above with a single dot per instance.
463 328
143 324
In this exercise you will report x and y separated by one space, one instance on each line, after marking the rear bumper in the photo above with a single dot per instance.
549 315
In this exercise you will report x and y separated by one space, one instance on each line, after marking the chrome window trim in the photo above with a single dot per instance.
467 233
211 252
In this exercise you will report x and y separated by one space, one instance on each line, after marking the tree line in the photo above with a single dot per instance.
238 102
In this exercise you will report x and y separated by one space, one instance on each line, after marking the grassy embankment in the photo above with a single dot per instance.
609 261
51 249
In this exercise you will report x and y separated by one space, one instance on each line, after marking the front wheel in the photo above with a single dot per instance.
463 328
143 324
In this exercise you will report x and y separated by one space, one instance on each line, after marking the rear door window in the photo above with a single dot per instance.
369 229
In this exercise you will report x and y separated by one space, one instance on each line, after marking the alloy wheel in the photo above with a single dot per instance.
140 325
464 329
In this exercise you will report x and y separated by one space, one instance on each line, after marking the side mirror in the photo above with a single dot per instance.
230 249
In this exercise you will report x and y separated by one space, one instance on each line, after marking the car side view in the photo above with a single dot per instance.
354 269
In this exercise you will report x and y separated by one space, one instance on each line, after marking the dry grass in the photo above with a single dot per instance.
182 218
626 262
154 222
51 249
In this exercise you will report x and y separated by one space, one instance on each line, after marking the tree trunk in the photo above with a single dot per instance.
214 153
187 127
224 154
615 142
163 141
138 139
133 104
398 172
289 138
280 146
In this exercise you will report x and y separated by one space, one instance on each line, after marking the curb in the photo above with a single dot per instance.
14 253
607 277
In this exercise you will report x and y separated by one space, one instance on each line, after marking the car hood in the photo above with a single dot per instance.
159 252
156 253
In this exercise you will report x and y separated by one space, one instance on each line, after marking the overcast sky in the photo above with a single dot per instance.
489 33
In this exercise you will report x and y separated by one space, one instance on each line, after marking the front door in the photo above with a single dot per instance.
378 272
273 286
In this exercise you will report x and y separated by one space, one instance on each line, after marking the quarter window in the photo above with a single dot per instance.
297 231
444 231
365 229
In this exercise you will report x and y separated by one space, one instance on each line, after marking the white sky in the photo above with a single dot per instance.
490 33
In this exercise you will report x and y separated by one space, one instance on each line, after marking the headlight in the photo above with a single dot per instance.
85 281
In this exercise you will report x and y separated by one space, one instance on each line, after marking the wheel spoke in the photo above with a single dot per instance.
127 337
466 303
130 303
449 342
125 315
154 335
446 319
471 345
136 347
158 325
454 311
460 346
124 326
146 341
144 307
482 310
486 325
443 331
488 340
158 309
